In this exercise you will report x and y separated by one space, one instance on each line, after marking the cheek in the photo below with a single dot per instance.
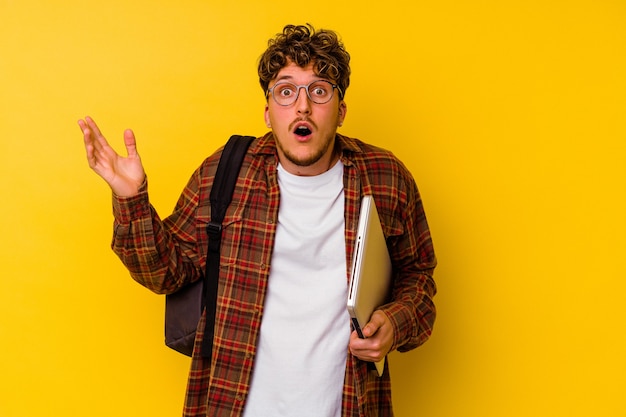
278 118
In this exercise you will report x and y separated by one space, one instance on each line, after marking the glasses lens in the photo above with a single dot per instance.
285 93
320 92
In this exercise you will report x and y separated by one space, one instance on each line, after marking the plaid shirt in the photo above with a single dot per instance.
165 255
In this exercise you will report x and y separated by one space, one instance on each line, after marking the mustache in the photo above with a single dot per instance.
293 124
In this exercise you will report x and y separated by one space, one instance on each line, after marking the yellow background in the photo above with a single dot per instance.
510 114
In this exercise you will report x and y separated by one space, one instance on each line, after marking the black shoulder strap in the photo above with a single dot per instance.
221 196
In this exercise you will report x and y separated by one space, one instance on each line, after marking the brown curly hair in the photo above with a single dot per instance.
302 45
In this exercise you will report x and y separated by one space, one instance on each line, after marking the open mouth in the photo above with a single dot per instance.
302 131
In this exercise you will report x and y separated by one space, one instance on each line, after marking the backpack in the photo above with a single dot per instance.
183 308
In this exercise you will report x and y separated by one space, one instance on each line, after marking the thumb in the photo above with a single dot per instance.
374 324
130 143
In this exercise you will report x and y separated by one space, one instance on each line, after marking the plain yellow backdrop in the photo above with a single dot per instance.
510 115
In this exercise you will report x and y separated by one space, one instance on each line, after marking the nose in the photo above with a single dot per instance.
303 104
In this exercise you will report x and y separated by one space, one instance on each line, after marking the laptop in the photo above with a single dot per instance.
370 277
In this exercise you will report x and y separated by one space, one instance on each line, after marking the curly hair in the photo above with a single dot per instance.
303 45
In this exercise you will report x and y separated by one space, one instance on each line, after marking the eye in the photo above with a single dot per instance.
320 89
284 90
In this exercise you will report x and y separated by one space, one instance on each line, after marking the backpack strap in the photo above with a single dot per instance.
221 196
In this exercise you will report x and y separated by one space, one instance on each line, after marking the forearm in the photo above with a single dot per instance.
154 257
412 311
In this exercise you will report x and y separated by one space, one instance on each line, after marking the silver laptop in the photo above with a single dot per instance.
370 277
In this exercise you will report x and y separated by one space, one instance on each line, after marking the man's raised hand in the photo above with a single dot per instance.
123 174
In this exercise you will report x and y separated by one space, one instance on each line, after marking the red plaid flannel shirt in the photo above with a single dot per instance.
164 255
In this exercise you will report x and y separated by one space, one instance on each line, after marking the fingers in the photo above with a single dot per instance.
91 133
84 127
369 350
100 156
93 126
95 143
94 139
89 141
378 339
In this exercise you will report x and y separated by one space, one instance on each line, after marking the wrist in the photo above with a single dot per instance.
128 190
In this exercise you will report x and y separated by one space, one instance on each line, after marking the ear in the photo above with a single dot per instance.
343 109
267 116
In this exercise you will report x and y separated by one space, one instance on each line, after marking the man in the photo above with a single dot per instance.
283 344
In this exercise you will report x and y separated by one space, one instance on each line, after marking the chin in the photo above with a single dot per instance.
304 154
303 160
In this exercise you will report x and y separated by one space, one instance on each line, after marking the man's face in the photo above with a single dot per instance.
304 131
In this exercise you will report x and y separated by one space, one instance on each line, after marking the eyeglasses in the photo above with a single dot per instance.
319 92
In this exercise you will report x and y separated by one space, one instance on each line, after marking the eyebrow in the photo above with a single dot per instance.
283 77
290 78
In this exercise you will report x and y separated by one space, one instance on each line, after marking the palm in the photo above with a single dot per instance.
123 174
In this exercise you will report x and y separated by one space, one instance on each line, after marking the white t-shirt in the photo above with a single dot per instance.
302 349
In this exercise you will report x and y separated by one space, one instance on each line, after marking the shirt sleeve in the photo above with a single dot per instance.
411 310
161 255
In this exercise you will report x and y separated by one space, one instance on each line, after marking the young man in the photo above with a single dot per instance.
283 344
